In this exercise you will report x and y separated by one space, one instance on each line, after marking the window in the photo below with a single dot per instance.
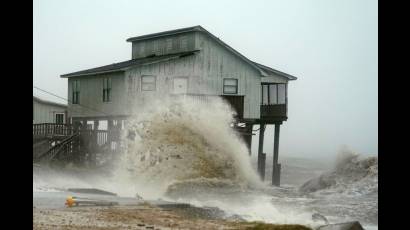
273 94
281 94
265 95
107 89
59 118
230 86
148 83
76 92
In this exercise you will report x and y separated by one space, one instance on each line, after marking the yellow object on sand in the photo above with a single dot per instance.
70 201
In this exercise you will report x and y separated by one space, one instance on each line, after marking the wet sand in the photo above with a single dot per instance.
142 216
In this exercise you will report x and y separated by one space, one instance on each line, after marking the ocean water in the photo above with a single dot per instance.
186 152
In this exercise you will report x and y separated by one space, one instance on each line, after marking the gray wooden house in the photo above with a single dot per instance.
48 112
189 61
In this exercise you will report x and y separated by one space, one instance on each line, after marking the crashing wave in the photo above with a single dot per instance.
174 141
352 174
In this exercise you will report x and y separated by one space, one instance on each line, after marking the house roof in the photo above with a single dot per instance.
166 33
122 66
264 70
48 102
274 71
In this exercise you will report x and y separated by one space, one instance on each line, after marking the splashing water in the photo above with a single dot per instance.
186 151
172 141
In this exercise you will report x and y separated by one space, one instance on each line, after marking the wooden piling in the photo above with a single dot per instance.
247 137
277 175
263 166
260 147
275 166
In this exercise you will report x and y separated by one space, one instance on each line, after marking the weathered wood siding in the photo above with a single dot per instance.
164 73
274 79
91 96
45 113
215 63
163 45
205 72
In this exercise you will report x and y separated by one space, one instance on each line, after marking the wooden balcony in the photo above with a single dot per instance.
273 113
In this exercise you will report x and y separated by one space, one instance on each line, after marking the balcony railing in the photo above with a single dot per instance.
276 112
45 129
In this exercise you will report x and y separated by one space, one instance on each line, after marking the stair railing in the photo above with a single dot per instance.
63 149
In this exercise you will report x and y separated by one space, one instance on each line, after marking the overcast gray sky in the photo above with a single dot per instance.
330 45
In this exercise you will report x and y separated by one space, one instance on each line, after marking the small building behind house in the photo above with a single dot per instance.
45 111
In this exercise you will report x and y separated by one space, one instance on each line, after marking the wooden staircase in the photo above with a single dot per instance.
48 138
63 151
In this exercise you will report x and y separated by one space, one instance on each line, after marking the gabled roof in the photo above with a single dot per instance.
166 33
264 70
277 72
122 66
42 101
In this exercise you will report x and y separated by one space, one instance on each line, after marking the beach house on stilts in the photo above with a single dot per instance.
189 61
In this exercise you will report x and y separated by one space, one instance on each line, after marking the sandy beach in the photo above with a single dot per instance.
142 216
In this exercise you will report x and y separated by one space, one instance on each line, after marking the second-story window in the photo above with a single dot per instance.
76 92
107 89
273 94
230 86
148 83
